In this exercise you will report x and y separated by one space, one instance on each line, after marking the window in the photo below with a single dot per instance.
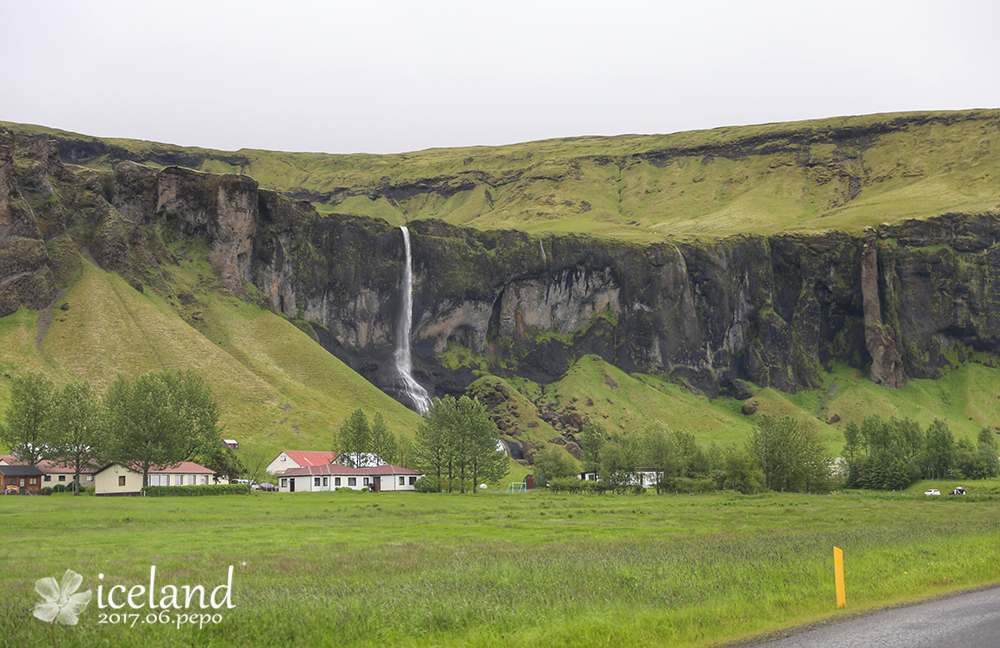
284 483
33 481
402 481
90 478
204 480
22 482
190 480
121 480
48 478
326 481
336 481
315 481
352 481
62 477
413 480
179 480
366 481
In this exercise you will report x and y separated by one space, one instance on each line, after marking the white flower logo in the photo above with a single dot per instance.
61 604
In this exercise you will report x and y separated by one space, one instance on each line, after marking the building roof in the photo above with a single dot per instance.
22 470
309 457
50 467
184 467
341 471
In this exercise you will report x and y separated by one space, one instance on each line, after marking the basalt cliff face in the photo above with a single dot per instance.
722 315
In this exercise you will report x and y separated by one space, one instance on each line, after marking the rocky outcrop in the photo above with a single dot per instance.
887 366
25 276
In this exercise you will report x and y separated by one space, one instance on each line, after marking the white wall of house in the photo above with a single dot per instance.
281 463
109 482
391 482
307 483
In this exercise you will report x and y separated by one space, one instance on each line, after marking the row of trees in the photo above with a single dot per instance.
152 420
356 440
780 454
458 446
891 454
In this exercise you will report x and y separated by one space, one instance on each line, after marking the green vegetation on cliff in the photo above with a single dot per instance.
841 173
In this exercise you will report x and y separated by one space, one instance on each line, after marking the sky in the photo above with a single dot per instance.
388 76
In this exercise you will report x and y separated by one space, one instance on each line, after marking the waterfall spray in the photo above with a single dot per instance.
404 363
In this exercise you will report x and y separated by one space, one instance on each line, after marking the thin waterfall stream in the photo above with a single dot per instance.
404 362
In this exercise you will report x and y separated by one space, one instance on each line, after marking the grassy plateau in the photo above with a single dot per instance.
536 569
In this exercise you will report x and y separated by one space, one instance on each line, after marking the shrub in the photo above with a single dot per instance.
194 491
570 484
426 484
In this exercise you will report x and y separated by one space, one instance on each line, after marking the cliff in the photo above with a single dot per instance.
721 315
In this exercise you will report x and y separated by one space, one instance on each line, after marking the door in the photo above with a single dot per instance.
291 485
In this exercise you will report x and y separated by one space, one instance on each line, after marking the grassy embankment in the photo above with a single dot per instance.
495 570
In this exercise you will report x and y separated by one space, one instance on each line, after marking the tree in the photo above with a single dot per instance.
27 417
159 419
592 438
986 453
253 460
431 447
619 459
790 455
76 434
552 462
382 441
354 439
457 442
742 473
939 450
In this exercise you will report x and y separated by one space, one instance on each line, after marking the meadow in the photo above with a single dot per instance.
494 569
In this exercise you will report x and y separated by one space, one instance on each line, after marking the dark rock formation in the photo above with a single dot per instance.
720 316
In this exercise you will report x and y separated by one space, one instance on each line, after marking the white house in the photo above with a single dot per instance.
117 479
290 459
385 477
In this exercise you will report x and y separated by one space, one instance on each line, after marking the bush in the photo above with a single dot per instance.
194 491
570 484
595 487
47 490
426 484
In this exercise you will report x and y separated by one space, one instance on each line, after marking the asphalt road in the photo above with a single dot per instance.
970 620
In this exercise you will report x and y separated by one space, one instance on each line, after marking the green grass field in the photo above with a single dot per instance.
536 569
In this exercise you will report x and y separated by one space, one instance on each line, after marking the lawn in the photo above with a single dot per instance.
407 569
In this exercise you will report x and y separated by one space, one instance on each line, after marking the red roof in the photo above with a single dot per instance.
310 457
338 470
47 466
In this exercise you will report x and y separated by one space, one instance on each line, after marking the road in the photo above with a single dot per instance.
970 620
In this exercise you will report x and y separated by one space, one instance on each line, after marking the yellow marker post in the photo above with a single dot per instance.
838 574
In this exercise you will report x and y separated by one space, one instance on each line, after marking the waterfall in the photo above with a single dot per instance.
542 248
404 363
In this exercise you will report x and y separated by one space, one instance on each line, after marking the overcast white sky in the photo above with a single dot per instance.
383 76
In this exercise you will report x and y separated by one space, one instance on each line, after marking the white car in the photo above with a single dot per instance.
932 491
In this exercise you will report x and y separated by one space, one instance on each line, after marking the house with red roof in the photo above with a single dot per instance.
329 477
289 459
117 479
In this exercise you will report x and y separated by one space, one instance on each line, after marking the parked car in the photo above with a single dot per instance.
264 487
959 490
932 491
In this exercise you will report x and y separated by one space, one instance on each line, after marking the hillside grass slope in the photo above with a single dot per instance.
277 388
